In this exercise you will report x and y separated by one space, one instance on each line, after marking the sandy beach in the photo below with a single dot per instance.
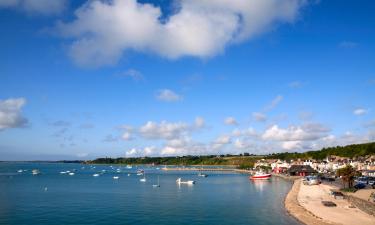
304 203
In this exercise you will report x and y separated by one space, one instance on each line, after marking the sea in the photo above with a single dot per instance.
51 198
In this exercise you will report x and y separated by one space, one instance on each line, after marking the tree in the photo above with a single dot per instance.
347 175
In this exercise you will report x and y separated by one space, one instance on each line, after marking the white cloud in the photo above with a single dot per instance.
260 117
360 111
274 103
199 122
293 133
10 113
43 7
103 30
168 96
250 132
230 121
126 136
163 130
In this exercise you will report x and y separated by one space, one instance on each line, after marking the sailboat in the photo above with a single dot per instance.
144 178
156 185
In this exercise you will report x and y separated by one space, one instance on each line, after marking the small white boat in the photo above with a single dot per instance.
129 167
156 185
179 181
63 172
96 175
202 175
20 171
71 174
116 177
143 179
128 174
35 172
68 171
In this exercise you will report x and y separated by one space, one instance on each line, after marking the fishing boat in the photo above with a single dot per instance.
35 172
260 176
156 185
179 181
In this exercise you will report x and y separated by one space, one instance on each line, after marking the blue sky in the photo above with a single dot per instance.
121 78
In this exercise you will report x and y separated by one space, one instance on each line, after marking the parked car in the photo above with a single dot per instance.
361 180
311 180
359 186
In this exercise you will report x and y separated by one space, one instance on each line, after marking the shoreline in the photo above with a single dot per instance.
303 202
298 212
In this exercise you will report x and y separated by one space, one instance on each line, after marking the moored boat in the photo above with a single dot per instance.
179 181
260 176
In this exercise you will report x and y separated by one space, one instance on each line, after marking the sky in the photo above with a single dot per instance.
127 78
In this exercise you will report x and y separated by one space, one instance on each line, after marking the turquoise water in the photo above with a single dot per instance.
53 198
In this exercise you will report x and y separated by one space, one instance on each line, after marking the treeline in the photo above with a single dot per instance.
349 151
245 160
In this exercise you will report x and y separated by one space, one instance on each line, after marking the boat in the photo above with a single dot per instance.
116 177
156 185
144 178
202 175
260 176
128 174
129 167
35 172
96 175
179 181
140 172
20 171
63 172
71 174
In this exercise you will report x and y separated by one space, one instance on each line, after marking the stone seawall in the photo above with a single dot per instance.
361 204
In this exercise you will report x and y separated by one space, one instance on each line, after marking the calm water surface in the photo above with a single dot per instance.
53 198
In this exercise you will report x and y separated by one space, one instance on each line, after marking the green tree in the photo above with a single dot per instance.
347 175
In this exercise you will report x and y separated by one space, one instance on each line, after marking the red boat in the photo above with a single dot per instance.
260 176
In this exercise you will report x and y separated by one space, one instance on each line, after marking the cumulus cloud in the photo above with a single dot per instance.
230 121
360 111
43 7
103 30
10 113
294 133
260 117
167 95
163 130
